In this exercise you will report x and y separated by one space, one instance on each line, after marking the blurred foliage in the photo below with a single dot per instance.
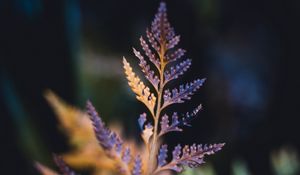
285 161
85 151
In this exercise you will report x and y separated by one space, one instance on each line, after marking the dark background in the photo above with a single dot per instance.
248 50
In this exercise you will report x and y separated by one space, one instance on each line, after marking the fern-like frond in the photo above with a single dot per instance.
174 55
183 93
176 123
106 138
160 27
138 87
177 70
152 57
149 74
110 141
165 125
173 42
189 156
152 41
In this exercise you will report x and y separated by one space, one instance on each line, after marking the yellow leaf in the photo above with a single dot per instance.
75 123
142 92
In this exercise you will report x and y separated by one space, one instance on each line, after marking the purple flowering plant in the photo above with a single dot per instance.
160 49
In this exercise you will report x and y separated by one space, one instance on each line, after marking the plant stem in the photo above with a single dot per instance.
152 162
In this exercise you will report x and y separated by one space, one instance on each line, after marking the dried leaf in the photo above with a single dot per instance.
147 133
143 92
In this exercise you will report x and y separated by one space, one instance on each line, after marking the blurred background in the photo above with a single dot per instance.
248 51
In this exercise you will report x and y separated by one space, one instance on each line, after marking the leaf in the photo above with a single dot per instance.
163 154
109 140
173 42
152 41
176 123
164 124
161 27
85 150
147 133
142 119
152 57
137 168
149 74
63 167
179 69
174 55
191 156
147 130
190 116
143 92
72 121
106 138
183 93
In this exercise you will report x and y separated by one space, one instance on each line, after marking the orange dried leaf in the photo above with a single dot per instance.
142 92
